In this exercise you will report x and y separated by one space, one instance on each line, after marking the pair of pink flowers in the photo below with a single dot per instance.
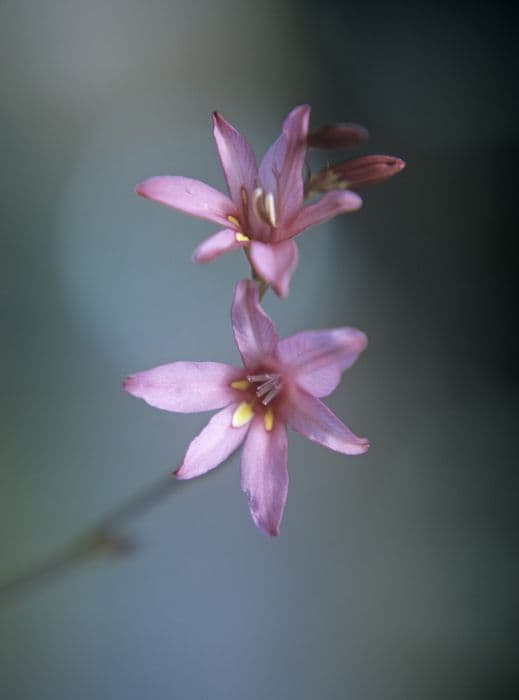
264 210
281 381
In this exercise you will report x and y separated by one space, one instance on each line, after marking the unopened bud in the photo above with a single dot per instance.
352 174
333 137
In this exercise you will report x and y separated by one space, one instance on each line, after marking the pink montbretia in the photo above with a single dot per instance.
264 210
280 384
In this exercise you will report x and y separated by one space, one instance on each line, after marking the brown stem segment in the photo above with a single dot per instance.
108 537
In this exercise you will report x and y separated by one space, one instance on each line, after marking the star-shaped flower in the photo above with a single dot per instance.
265 208
281 383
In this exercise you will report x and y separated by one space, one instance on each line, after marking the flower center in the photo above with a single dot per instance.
269 386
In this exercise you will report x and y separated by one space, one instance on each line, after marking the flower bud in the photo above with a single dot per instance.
352 174
332 137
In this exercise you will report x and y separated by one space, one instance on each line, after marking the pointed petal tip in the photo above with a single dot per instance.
298 119
364 445
184 474
390 164
148 188
216 118
269 528
356 447
128 383
217 245
355 201
140 188
361 341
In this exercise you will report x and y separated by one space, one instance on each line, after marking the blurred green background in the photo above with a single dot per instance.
396 574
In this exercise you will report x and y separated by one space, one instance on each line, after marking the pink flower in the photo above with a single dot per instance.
265 208
280 384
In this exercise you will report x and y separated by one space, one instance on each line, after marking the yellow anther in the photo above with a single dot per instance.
241 237
240 384
234 221
268 419
270 209
242 415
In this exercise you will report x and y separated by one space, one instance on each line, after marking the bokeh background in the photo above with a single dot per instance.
396 574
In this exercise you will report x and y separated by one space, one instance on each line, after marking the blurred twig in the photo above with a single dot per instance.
108 537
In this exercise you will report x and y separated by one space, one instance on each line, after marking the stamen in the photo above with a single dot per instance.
244 197
270 209
234 221
258 204
268 419
264 388
272 394
241 237
243 414
258 377
240 384
269 387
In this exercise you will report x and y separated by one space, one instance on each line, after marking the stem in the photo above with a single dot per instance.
262 285
108 536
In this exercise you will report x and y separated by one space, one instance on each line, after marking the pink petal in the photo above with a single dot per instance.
190 196
275 263
316 359
281 170
213 445
264 476
254 332
332 204
185 387
216 245
237 158
310 417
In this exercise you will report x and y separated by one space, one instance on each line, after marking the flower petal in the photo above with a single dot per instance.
212 445
310 417
275 263
254 332
316 359
264 476
185 387
216 245
332 204
190 196
281 170
237 158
